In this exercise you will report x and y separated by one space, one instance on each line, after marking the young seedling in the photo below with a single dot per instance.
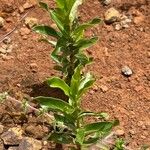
69 36
69 123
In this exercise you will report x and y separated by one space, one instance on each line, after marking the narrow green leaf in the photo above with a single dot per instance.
44 6
102 115
75 81
86 43
53 43
57 20
46 30
104 127
61 138
80 136
59 83
79 31
86 83
73 12
54 104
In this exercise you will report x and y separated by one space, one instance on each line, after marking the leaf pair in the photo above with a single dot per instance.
79 85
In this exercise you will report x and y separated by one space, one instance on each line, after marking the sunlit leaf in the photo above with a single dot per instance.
86 43
46 30
59 83
73 12
54 104
80 136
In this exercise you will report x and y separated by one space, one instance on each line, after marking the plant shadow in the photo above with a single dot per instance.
44 90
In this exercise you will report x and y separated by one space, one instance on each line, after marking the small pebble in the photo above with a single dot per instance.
111 15
106 2
104 88
119 132
126 71
3 50
24 31
118 27
7 40
34 67
30 22
1 129
2 21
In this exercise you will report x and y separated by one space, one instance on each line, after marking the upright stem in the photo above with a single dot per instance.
71 68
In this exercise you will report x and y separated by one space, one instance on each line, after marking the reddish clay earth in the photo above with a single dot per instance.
23 71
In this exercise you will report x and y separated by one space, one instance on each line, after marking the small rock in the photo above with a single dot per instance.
7 40
24 31
143 137
2 21
25 37
112 15
126 71
34 67
21 9
13 148
106 2
29 4
9 49
30 144
119 132
138 20
37 131
12 137
5 57
1 129
118 27
139 17
132 132
8 6
30 22
125 26
3 50
104 88
1 145
95 88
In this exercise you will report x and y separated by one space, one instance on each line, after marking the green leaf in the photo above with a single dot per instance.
44 6
46 30
102 115
54 104
90 141
86 43
83 59
86 83
57 20
78 32
75 81
61 138
73 12
53 43
60 3
59 83
67 119
104 127
80 136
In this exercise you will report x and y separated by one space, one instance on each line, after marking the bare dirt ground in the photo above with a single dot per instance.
26 67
